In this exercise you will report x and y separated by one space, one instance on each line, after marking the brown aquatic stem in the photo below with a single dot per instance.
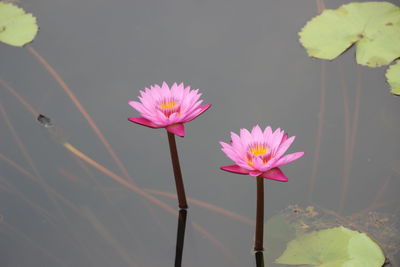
151 198
206 205
180 189
180 237
259 259
258 246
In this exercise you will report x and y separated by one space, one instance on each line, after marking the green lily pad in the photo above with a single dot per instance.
277 234
17 27
334 247
373 26
393 78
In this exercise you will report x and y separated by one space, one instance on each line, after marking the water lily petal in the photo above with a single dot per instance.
235 169
178 129
255 173
144 122
275 174
200 111
167 107
284 146
261 152
289 158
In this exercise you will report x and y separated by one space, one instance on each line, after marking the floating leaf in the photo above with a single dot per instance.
393 77
17 27
277 233
334 247
373 26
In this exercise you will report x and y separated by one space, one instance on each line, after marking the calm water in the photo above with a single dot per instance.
247 62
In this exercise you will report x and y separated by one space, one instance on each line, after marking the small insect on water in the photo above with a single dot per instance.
44 121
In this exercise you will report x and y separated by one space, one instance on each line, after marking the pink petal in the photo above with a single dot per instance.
284 146
267 133
255 173
275 174
178 129
288 158
284 138
173 118
231 154
234 169
202 110
258 163
276 138
237 143
257 134
245 136
144 122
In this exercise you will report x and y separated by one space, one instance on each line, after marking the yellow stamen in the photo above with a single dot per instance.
167 104
258 149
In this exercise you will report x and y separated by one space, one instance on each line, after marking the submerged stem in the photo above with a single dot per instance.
258 246
180 189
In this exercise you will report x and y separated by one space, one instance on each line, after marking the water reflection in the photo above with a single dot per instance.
180 237
259 259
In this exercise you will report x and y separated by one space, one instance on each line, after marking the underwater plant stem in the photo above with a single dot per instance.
321 119
180 189
82 110
20 99
320 6
228 254
356 116
258 246
206 205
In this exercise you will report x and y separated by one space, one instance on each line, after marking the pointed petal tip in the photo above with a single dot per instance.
143 121
234 169
275 174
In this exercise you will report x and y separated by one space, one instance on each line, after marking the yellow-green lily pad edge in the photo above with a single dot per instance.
374 28
17 27
393 78
334 247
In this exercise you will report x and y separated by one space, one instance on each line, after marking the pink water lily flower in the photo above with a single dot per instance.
259 153
169 108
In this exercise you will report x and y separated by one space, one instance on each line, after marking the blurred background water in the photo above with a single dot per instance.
245 58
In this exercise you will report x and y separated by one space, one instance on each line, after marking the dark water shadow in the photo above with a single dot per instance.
180 237
259 259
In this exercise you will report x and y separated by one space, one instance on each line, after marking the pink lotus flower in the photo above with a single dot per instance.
169 108
259 153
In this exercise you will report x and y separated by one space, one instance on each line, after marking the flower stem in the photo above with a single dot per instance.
180 189
258 246
259 259
180 237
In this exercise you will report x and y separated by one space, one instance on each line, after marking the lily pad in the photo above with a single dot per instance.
277 233
334 247
373 26
17 27
393 78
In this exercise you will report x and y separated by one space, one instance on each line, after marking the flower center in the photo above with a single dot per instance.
168 106
258 150
168 103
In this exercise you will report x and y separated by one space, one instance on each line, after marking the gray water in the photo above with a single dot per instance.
245 58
